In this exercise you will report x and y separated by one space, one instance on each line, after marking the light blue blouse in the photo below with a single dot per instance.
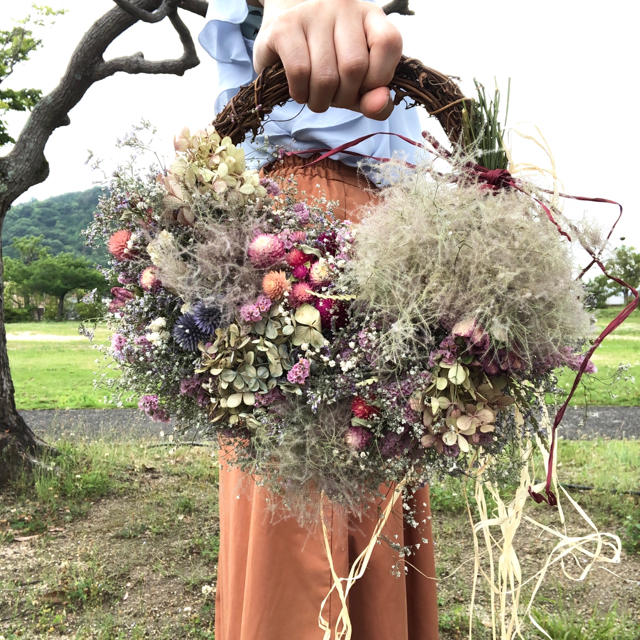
293 126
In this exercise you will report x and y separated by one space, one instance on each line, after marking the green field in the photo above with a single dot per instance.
119 540
53 367
54 373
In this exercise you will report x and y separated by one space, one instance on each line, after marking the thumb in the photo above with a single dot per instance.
264 55
376 104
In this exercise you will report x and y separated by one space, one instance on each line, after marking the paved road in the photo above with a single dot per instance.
608 422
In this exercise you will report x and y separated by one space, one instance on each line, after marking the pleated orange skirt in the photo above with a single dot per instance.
272 574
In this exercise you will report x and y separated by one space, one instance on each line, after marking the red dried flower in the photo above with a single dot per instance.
295 258
361 409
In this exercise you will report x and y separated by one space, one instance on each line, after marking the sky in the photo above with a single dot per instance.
572 66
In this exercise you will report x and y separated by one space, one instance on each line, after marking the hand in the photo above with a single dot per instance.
340 53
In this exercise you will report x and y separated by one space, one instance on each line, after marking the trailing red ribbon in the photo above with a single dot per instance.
496 179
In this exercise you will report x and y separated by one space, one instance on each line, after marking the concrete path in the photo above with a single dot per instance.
608 422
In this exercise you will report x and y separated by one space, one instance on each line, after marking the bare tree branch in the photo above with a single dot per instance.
398 6
26 164
198 7
136 63
167 7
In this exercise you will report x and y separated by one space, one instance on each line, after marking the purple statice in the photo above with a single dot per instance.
207 317
574 360
302 212
118 343
192 387
299 372
269 398
124 278
263 303
447 351
250 313
187 333
271 186
149 404
393 444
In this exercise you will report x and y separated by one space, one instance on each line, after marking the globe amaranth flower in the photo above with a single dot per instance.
266 250
301 292
300 272
118 244
207 317
320 273
149 280
275 284
295 257
187 333
357 438
299 372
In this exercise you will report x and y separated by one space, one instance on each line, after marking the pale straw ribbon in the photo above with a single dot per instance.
343 628
505 580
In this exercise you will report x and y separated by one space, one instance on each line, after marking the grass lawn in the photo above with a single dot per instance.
610 385
58 372
121 542
53 367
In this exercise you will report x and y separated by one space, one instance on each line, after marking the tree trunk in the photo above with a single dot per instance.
16 438
61 307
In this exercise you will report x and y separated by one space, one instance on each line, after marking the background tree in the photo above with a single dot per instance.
599 290
26 165
625 264
59 275
16 270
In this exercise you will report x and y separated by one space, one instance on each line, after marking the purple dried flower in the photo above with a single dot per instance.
187 333
149 404
207 317
250 313
299 372
266 399
118 343
271 186
357 438
263 303
393 444
300 272
302 212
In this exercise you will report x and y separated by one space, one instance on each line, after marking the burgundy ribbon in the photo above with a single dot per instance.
496 179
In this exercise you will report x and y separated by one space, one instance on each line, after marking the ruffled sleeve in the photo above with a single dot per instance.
292 126
222 39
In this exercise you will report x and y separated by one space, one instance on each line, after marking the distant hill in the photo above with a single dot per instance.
59 219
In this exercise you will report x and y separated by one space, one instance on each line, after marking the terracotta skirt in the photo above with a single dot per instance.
272 574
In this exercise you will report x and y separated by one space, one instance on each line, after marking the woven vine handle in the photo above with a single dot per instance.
437 93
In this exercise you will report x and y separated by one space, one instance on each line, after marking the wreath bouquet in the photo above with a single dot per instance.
337 358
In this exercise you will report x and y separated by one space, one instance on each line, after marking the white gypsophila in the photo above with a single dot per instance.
157 324
156 338
348 365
